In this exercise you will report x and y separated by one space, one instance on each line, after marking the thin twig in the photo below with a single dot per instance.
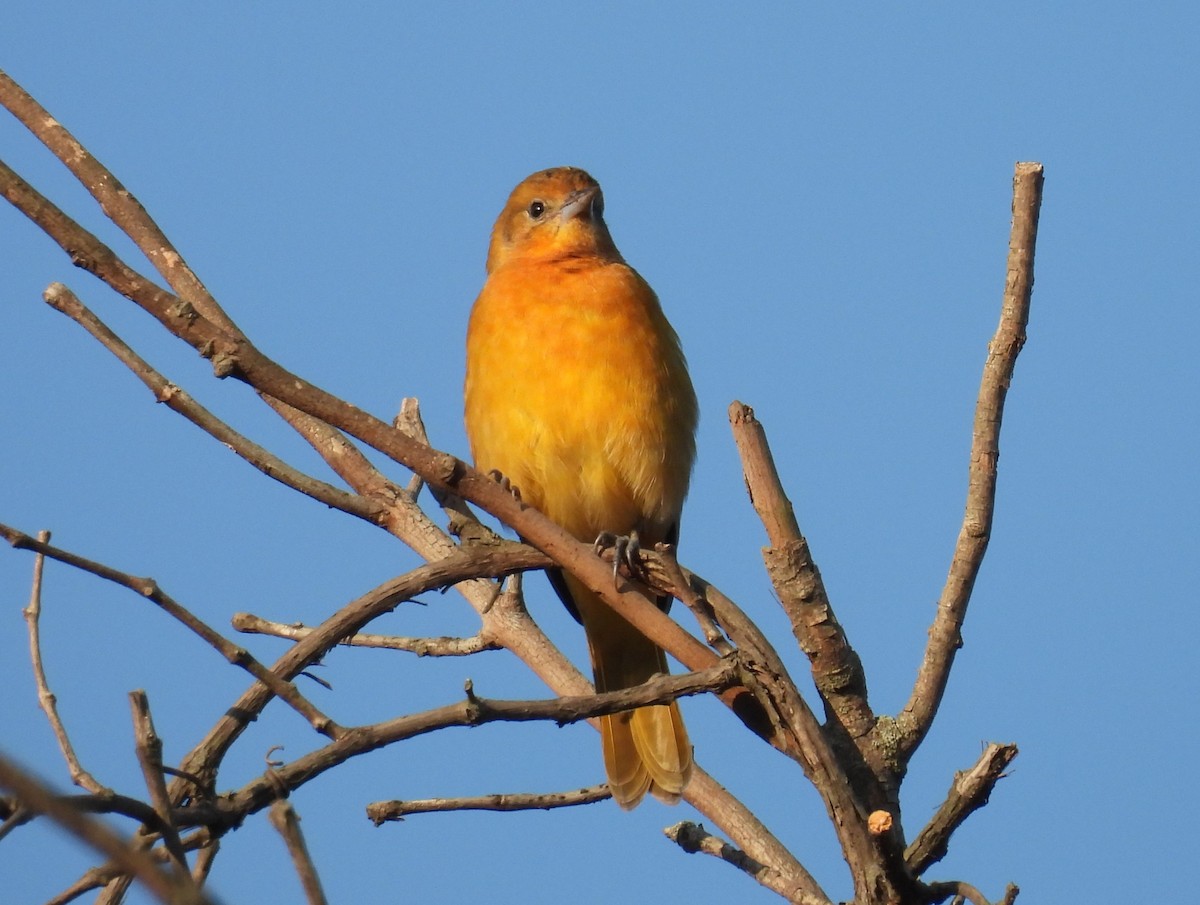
463 522
112 803
117 202
408 421
945 635
182 403
117 888
942 890
46 698
693 838
422 647
205 856
346 460
753 836
231 809
968 793
105 875
149 589
149 755
285 820
381 812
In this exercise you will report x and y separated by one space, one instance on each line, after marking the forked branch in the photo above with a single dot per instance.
945 635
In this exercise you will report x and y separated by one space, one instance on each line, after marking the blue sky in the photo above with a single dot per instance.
820 196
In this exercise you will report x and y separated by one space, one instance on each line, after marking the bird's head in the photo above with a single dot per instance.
553 214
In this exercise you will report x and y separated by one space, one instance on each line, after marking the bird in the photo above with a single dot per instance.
577 392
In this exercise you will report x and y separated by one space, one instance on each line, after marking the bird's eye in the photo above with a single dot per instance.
536 209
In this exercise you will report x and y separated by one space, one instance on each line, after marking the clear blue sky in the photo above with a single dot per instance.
821 198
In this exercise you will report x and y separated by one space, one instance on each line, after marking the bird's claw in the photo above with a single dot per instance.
498 476
626 549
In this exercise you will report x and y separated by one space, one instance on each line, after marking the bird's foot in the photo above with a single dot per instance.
498 476
626 550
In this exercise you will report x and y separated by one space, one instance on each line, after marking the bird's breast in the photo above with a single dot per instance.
578 392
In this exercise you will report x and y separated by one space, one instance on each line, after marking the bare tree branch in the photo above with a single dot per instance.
149 589
346 460
46 698
422 647
114 199
695 839
463 522
106 875
968 793
149 754
945 635
231 809
836 668
665 575
381 812
182 403
751 835
408 421
206 854
941 891
113 803
285 819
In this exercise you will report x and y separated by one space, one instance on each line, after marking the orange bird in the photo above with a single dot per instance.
577 391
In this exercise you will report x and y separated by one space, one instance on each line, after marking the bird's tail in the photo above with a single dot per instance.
645 750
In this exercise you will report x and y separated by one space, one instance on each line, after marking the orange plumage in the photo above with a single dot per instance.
577 391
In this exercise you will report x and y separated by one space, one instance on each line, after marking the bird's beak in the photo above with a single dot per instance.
579 204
